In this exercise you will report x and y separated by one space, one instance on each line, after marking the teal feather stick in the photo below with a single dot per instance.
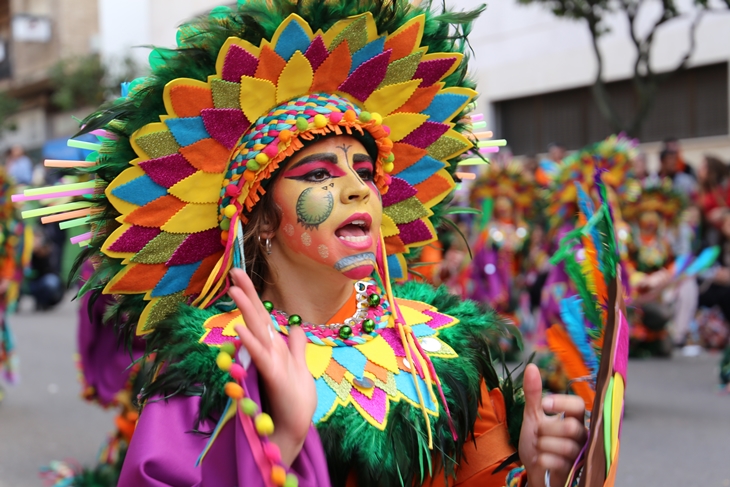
572 314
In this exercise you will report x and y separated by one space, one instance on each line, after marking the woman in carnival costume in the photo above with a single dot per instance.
274 170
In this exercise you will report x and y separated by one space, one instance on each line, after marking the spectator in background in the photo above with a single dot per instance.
672 144
556 151
714 193
18 166
669 168
45 284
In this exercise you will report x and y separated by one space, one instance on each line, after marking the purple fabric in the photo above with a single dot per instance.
432 71
426 134
197 247
226 125
367 77
399 190
239 62
492 288
104 361
415 231
164 450
168 170
134 239
316 52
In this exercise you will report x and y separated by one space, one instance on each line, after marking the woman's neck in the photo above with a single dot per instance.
313 294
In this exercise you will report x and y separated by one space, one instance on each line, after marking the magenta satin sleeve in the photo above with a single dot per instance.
165 449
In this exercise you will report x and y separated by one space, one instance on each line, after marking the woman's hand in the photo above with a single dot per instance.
289 385
550 442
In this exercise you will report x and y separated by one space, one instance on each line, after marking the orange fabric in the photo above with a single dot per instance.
188 101
403 43
156 213
7 268
201 275
346 311
405 156
433 254
139 278
206 155
394 245
431 188
333 70
270 65
420 99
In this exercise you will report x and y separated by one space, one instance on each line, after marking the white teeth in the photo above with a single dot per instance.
360 223
361 238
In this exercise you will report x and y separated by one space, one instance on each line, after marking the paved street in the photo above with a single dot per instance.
676 433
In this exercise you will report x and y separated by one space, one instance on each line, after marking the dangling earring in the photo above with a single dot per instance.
267 245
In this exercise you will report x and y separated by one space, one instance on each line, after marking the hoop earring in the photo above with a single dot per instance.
267 245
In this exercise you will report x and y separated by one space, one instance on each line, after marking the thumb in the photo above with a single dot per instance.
532 385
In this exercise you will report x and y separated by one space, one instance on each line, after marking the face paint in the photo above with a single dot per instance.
327 189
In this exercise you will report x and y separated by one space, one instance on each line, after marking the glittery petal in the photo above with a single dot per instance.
366 78
225 125
415 231
398 191
391 336
134 239
426 134
446 147
167 171
406 211
163 308
226 94
197 247
402 70
432 70
316 52
157 144
355 34
438 320
239 62
377 406
159 250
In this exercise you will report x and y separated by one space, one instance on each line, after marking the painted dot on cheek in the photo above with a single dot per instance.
324 252
289 229
306 239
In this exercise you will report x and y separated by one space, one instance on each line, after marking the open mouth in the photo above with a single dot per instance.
355 229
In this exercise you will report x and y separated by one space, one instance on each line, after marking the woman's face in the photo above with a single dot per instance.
330 207
702 171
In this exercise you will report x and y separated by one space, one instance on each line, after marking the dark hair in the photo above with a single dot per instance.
556 145
717 171
666 153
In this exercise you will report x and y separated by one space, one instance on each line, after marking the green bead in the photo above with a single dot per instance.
302 124
345 332
368 325
252 165
291 480
295 320
248 407
225 224
374 299
390 158
269 306
365 117
228 348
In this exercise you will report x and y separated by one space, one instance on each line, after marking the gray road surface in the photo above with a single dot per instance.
676 432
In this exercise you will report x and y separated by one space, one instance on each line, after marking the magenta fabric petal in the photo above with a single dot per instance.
391 336
226 125
215 337
426 134
432 71
621 355
399 190
437 319
239 62
375 406
367 77
134 239
415 231
316 52
169 170
197 247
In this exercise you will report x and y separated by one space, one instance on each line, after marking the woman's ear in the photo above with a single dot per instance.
266 230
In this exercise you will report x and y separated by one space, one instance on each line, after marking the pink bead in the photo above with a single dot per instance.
237 372
272 452
232 190
271 150
388 179
335 117
386 129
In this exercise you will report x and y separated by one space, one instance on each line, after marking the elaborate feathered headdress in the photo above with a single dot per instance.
659 198
503 180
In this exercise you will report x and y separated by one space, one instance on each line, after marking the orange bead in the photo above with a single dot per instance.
278 475
224 235
249 175
386 142
233 390
285 135
350 116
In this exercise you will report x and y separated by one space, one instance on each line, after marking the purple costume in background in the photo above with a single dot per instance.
165 449
491 277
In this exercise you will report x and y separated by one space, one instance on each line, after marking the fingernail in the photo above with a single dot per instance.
547 403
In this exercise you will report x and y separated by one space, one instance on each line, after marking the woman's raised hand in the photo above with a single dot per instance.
289 385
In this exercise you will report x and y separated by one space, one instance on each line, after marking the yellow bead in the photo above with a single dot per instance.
376 118
230 211
224 361
264 424
261 158
234 391
320 120
278 475
388 167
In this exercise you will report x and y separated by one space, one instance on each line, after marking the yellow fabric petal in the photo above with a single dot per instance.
413 316
617 410
390 98
380 353
200 187
402 124
318 359
388 227
296 78
258 96
193 218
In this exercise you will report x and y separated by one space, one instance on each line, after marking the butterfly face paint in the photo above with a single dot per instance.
327 196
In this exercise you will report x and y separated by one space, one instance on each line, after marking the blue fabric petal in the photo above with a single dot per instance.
421 170
139 191
366 53
187 131
351 359
423 330
176 279
293 39
325 398
444 105
404 382
394 267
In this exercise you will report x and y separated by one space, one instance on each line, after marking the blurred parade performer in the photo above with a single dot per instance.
15 248
295 178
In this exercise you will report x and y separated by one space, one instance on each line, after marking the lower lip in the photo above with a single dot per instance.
362 245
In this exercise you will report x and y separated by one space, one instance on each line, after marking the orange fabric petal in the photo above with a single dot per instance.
333 71
335 371
378 371
207 155
270 65
156 213
188 101
394 245
402 44
201 275
420 99
431 188
405 156
140 278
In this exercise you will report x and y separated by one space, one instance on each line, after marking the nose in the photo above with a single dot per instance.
354 190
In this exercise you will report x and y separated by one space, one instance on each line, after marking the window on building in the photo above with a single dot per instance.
693 103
